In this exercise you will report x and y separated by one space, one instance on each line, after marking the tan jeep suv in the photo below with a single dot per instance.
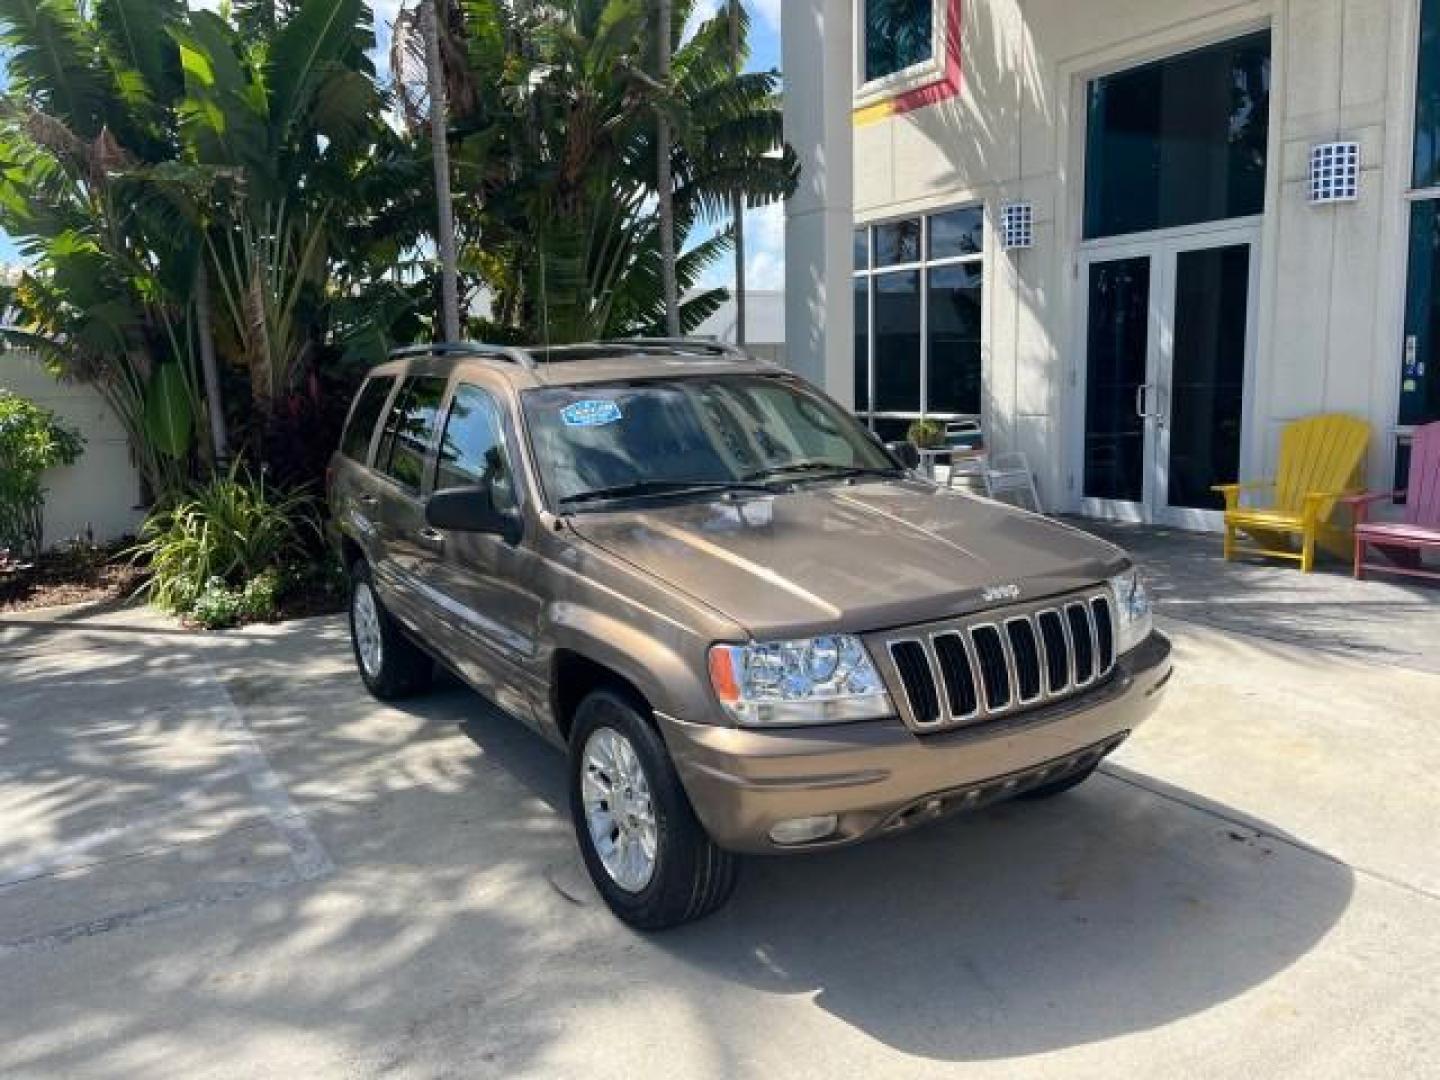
751 626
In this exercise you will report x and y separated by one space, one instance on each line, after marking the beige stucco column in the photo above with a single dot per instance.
819 300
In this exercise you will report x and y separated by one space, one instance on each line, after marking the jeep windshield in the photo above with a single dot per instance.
691 436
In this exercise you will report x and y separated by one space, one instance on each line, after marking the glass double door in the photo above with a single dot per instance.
1168 341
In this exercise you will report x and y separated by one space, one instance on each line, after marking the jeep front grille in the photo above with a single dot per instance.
996 663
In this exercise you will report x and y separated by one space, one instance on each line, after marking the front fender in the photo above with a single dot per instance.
668 668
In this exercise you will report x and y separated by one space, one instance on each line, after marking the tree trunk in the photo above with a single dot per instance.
205 329
665 187
262 362
738 200
445 225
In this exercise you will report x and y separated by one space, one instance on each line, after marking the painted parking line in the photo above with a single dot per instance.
246 759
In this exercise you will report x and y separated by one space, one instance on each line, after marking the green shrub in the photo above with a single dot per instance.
233 528
260 599
926 434
217 605
31 441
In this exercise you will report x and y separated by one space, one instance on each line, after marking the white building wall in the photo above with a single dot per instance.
1332 279
764 324
100 491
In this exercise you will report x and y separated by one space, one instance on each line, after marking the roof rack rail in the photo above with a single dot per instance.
468 348
704 345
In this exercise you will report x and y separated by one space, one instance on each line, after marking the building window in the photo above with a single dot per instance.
1419 380
1180 141
918 293
896 35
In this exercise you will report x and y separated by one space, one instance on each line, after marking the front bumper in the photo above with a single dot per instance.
880 776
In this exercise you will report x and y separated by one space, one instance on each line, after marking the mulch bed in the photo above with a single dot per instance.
105 575
79 576
311 600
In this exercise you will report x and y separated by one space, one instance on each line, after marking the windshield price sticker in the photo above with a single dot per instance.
590 413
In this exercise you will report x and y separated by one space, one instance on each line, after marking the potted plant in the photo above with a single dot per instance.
926 434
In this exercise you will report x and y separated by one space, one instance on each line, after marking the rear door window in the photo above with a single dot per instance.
355 443
409 431
472 450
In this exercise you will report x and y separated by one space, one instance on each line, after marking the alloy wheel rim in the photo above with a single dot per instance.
366 622
619 809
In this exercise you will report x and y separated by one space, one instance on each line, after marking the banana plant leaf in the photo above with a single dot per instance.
169 422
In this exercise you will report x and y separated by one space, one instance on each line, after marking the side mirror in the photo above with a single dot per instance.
472 510
904 452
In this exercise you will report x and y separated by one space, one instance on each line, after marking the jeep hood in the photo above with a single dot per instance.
860 557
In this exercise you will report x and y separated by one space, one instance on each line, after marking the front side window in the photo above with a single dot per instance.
472 450
1180 141
898 34
918 317
409 430
673 436
355 443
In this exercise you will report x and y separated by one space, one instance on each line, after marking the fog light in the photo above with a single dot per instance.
804 829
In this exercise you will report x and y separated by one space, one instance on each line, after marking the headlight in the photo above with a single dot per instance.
823 680
1133 621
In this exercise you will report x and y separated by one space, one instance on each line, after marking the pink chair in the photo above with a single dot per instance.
1404 541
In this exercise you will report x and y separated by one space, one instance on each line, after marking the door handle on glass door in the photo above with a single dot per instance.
1142 399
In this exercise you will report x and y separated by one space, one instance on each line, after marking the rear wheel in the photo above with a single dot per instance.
1059 787
391 665
646 852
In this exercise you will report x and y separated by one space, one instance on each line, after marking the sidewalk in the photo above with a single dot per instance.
1385 621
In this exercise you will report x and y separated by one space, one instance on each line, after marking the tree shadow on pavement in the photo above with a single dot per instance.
1384 620
453 933
1030 927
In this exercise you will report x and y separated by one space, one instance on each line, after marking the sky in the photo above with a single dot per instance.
764 229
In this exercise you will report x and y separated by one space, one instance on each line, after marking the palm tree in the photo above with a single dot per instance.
197 195
664 183
737 201
558 168
88 115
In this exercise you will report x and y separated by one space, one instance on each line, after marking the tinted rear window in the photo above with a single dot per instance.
409 430
355 443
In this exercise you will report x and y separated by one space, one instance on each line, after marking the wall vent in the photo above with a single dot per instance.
1334 173
1017 225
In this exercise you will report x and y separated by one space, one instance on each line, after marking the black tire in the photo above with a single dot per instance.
404 669
692 877
1059 787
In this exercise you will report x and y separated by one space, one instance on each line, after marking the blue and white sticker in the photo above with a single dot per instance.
590 413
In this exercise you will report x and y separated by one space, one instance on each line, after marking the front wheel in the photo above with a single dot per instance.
646 852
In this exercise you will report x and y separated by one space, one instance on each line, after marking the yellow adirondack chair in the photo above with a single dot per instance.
1321 458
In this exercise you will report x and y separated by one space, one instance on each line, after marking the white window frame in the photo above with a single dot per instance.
923 266
868 92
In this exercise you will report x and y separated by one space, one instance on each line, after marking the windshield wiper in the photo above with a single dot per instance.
649 489
829 470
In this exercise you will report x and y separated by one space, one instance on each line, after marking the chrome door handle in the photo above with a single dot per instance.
432 538
1142 398
368 501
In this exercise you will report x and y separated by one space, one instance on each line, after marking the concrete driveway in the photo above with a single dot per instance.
220 858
